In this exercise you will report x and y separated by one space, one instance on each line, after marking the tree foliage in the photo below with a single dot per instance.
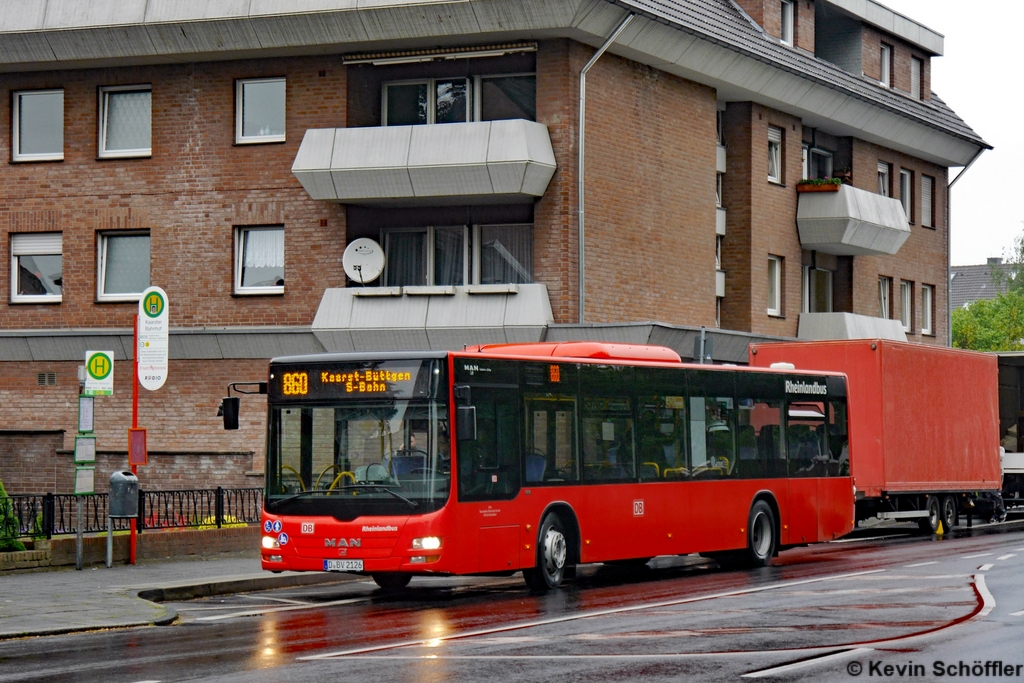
8 524
992 324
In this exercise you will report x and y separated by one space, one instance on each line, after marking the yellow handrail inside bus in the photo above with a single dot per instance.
302 484
350 475
657 470
675 470
324 471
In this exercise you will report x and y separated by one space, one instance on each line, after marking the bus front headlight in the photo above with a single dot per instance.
426 543
269 542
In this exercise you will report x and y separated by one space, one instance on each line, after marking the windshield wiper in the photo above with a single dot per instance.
377 487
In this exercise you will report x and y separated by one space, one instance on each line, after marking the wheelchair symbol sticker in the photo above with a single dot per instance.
268 526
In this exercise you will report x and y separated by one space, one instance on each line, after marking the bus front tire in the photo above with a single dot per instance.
761 540
552 552
392 582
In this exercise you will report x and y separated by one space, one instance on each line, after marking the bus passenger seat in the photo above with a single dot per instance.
535 466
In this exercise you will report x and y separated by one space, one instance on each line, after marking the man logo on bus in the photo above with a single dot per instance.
153 305
342 543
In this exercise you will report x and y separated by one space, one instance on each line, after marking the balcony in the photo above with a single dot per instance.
814 326
851 222
491 162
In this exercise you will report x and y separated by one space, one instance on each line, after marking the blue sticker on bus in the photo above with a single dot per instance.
268 526
282 539
277 526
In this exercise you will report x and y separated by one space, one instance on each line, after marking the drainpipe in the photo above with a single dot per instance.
949 248
582 129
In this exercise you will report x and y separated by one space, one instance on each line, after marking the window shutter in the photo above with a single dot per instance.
31 244
774 134
915 78
926 201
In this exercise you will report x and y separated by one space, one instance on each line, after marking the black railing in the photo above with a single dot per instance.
48 515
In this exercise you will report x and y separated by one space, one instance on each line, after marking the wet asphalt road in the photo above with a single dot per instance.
819 613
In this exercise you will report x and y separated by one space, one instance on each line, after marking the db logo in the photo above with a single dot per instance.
308 527
638 508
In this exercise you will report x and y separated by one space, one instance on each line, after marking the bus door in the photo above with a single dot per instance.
489 467
807 446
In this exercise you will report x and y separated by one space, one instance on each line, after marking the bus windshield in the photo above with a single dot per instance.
356 454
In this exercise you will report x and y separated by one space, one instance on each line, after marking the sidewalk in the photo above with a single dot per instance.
66 600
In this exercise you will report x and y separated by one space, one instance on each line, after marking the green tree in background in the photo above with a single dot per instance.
996 324
8 524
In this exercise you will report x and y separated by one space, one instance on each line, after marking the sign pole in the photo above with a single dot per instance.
135 423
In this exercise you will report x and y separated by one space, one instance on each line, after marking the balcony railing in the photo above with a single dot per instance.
851 222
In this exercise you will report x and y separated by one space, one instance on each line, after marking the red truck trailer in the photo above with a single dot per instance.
924 424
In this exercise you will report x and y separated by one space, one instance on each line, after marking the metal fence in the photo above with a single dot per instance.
48 515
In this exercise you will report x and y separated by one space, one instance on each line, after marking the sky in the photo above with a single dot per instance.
979 78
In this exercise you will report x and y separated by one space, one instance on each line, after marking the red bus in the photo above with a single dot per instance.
539 457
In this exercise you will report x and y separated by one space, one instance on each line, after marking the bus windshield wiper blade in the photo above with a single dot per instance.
300 494
383 487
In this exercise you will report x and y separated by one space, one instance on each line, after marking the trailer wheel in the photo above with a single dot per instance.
761 539
392 581
930 524
552 553
948 512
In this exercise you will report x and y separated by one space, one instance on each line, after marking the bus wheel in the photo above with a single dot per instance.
392 582
948 513
930 524
552 552
760 534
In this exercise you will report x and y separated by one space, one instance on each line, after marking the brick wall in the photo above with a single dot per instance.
921 259
196 187
902 52
29 462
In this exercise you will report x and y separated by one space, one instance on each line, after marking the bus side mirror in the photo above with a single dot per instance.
466 423
229 411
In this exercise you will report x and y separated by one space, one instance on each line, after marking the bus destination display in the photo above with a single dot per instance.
334 381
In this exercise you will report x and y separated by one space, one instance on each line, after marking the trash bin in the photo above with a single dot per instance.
124 495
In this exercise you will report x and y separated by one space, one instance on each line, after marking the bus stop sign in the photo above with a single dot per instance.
152 339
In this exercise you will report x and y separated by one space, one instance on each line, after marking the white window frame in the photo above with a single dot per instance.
807 289
719 177
907 193
241 139
472 108
775 138
101 265
239 290
884 296
16 154
820 153
907 305
916 76
431 242
884 179
927 303
788 21
55 248
927 201
775 278
105 92
885 65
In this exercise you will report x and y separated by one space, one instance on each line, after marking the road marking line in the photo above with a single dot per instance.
969 557
1006 557
1018 550
219 607
988 602
921 564
290 608
776 670
434 642
985 567
284 600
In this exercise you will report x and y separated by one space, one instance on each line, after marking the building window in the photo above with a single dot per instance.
37 126
36 265
457 255
259 260
819 163
884 297
907 305
774 154
718 189
123 266
884 179
907 193
775 285
457 100
885 65
259 110
126 121
816 290
916 78
787 21
720 126
927 201
927 309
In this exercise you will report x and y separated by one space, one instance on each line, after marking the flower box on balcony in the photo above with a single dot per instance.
810 187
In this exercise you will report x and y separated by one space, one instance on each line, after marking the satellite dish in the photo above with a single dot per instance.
363 260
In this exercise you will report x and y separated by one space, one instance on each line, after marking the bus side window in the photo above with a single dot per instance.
838 440
489 466
712 435
805 434
551 440
662 438
759 451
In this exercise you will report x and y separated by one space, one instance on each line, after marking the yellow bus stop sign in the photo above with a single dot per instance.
99 373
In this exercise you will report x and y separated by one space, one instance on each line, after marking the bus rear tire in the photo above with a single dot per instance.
930 524
761 540
392 582
552 553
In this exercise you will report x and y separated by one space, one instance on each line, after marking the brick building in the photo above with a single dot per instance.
229 151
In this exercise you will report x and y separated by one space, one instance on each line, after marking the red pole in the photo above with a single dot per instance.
135 423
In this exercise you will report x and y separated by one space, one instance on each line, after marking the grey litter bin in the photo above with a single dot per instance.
124 495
